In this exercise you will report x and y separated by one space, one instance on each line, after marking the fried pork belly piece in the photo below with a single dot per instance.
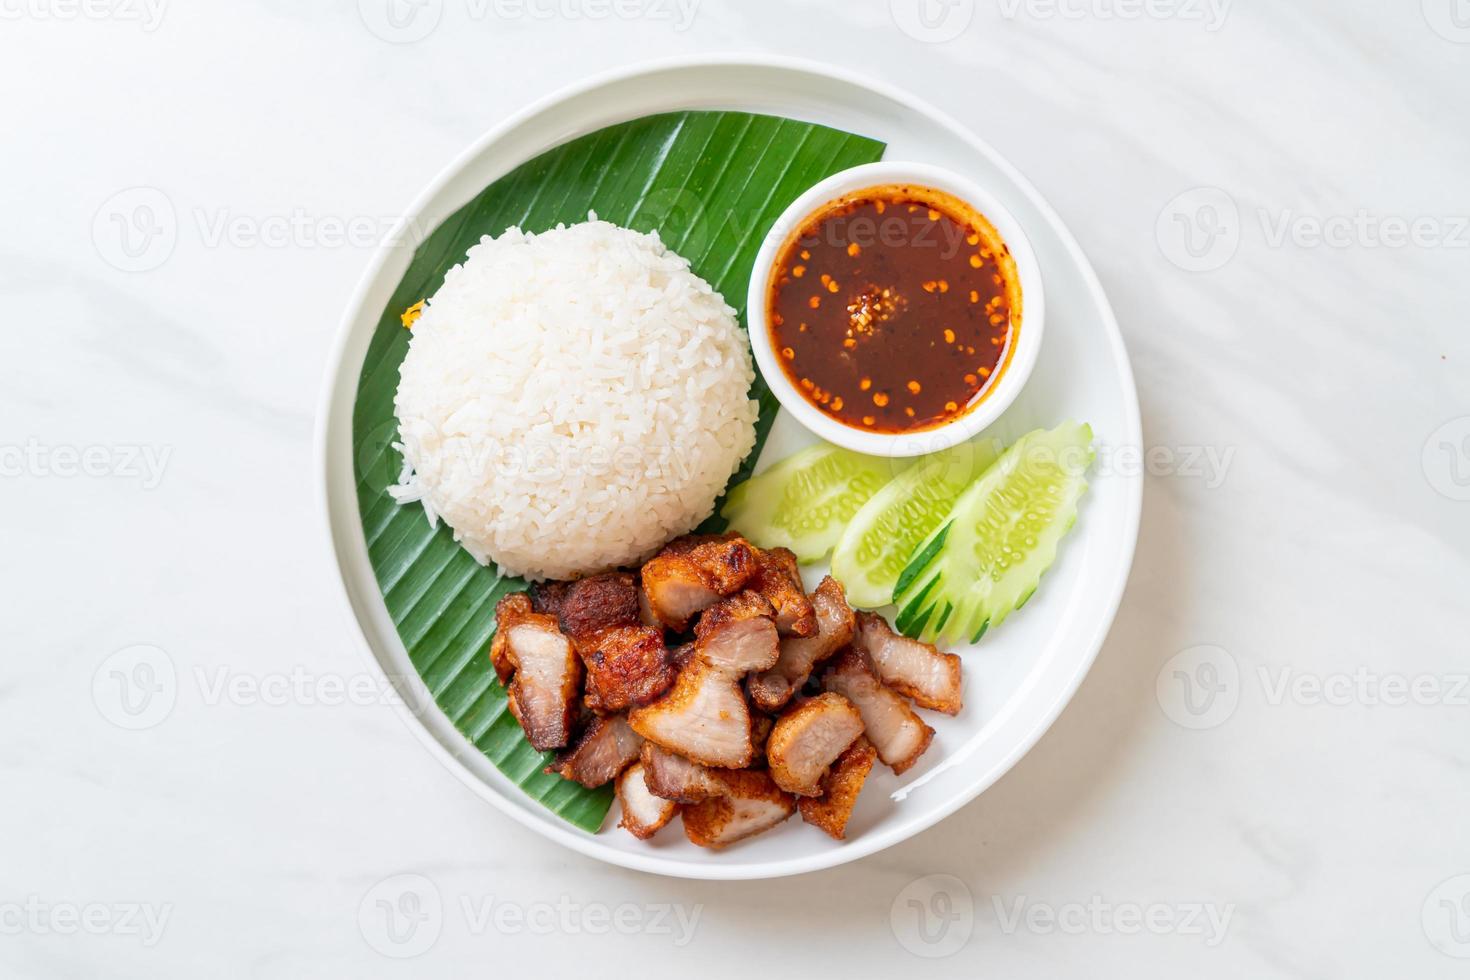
674 592
808 738
899 735
516 607
544 672
547 597
599 602
693 573
626 666
760 733
751 803
916 670
643 813
703 717
645 611
777 579
800 655
681 655
605 748
728 559
675 778
738 634
840 788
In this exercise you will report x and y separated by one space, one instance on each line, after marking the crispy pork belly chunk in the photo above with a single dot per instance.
545 674
703 717
605 748
899 735
693 573
645 611
643 813
916 670
511 609
738 634
626 666
600 602
777 579
681 655
760 733
808 738
727 559
800 655
547 597
751 803
840 788
674 592
675 778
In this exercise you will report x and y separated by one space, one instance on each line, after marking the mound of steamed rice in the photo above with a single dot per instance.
572 400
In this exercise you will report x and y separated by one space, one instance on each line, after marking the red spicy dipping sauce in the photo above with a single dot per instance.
895 308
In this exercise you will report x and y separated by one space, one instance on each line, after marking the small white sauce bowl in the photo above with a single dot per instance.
1018 359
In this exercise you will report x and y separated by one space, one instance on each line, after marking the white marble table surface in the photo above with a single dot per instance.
1266 775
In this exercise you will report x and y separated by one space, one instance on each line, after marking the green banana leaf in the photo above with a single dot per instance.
712 184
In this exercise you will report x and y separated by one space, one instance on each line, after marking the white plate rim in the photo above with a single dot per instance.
589 844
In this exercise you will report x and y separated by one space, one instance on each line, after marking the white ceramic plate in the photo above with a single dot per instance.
1019 678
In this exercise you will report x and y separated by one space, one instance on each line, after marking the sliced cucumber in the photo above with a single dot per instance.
988 555
881 537
804 501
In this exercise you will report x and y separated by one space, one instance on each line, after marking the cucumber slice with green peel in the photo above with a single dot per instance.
880 539
987 556
804 501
